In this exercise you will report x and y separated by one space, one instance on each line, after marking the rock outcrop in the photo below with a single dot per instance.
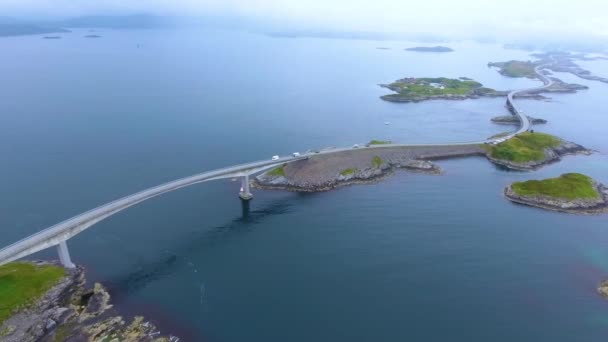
551 155
576 206
70 312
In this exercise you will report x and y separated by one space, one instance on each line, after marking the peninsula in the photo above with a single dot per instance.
44 301
570 192
430 49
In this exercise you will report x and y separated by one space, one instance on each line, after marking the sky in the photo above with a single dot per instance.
506 18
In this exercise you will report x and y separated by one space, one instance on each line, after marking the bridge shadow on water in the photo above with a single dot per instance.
169 262
147 271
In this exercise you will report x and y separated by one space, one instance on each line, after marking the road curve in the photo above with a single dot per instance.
63 231
524 121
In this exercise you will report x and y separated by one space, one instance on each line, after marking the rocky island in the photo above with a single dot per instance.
516 68
565 62
570 192
603 288
430 49
421 89
529 151
411 89
42 301
555 61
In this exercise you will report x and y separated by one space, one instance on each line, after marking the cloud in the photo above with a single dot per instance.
448 17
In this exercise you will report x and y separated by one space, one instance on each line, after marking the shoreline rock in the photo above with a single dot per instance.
71 312
578 206
602 289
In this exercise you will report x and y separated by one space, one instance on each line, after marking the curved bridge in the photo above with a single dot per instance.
58 234
523 119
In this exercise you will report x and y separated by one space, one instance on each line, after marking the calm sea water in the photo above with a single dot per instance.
416 257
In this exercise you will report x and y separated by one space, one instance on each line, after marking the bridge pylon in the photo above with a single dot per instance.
245 193
64 255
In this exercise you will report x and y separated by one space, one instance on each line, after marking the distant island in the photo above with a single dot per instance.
554 61
22 29
570 192
420 89
430 49
51 37
516 68
92 36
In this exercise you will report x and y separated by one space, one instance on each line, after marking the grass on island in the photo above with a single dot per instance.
377 162
22 283
277 172
569 186
516 68
524 147
348 172
422 87
500 135
379 142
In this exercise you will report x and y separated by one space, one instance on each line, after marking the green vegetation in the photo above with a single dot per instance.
569 186
63 331
22 283
413 88
377 162
515 68
348 172
500 135
379 142
277 172
524 147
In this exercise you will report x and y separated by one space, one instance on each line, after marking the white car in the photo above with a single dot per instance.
295 154
275 157
356 146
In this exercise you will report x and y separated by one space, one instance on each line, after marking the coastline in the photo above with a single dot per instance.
70 310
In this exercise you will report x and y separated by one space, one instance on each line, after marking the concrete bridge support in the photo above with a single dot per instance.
64 255
245 193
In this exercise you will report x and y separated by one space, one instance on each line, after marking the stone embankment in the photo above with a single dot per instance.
328 171
514 120
576 206
71 312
